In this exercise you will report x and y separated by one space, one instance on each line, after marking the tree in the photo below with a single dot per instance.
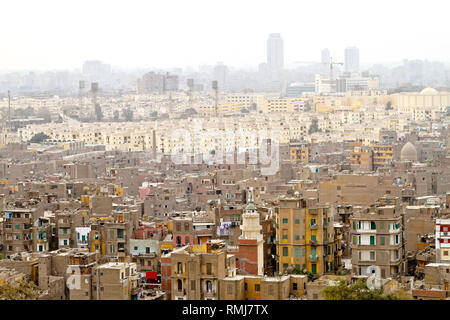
389 105
39 138
98 112
128 114
297 270
356 291
314 126
22 291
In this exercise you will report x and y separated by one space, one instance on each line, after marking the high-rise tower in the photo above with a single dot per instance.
275 52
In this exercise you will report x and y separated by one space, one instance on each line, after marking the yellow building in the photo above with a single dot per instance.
382 155
305 235
299 153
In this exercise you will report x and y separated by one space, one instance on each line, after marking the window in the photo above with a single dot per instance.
294 286
192 285
297 237
285 236
208 269
17 226
285 220
285 251
297 252
315 296
372 240
245 286
372 256
373 226
180 268
257 288
179 285
297 221
229 289
445 252
303 252
382 241
208 286
270 289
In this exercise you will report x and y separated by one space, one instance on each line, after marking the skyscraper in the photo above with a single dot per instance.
275 53
325 56
351 59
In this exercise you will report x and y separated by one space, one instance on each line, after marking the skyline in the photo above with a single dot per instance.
143 35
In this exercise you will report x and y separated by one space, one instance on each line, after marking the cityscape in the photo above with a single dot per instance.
306 179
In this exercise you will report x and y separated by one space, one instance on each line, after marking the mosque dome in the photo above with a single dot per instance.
429 91
408 152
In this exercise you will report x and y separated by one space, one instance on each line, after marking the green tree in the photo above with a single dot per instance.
314 126
22 291
356 291
128 114
98 112
297 270
389 105
39 138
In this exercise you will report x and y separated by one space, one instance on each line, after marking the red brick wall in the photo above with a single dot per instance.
166 272
247 257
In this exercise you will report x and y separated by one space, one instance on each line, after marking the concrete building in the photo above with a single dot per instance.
377 239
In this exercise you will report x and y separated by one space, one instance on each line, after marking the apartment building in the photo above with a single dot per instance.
17 231
442 240
251 287
196 270
115 281
305 235
300 152
110 239
377 238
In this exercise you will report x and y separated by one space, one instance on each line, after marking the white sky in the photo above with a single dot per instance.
61 34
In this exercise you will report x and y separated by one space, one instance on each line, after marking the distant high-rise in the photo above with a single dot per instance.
221 74
351 59
275 52
325 56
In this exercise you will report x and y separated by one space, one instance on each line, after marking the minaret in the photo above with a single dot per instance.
251 259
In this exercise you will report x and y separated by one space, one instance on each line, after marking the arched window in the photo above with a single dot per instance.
178 241
208 286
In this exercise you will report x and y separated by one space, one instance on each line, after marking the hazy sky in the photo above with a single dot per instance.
61 34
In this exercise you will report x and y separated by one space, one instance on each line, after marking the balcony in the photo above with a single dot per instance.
313 226
313 258
314 242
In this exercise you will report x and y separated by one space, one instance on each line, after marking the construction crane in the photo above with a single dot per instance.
331 64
